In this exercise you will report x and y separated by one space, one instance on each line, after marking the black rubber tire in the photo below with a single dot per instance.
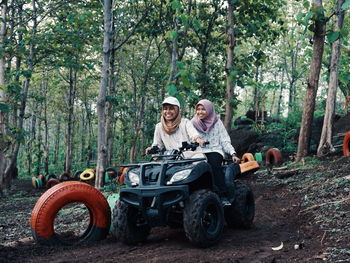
125 220
52 182
203 218
77 174
242 210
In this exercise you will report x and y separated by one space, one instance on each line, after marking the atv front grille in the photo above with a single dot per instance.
150 174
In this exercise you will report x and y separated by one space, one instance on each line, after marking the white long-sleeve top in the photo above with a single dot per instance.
186 132
219 140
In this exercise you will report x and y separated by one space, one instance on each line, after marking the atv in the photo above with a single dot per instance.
174 190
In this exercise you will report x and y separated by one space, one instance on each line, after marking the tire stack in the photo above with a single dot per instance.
38 182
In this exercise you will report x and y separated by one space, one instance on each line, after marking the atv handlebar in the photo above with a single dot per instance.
190 146
185 146
154 150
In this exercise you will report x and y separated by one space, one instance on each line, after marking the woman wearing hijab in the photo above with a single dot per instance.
172 130
211 129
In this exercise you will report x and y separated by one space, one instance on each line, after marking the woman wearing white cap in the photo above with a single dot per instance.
172 130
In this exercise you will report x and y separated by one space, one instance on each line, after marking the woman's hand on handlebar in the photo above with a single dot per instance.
148 149
201 142
235 159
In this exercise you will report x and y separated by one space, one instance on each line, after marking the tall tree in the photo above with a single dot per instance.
229 67
313 79
10 169
101 102
325 144
3 106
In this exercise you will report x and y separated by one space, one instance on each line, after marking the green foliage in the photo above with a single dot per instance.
345 5
171 88
333 36
4 108
69 39
281 135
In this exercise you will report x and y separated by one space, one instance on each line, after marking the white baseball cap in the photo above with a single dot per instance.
171 101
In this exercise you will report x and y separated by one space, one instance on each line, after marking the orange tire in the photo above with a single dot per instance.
273 156
54 199
346 144
122 176
247 157
250 166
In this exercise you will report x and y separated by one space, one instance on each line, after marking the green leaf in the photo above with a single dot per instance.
308 16
306 4
27 73
345 5
180 65
240 83
171 89
184 19
175 4
344 32
300 16
4 108
171 35
196 24
333 36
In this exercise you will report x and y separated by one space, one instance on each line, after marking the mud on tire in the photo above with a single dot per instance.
242 210
130 227
203 218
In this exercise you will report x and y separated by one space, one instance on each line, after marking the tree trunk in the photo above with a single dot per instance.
325 145
292 76
69 134
347 103
203 79
110 108
11 167
256 95
38 145
174 55
57 141
30 144
229 64
312 83
46 126
101 103
2 95
280 96
137 129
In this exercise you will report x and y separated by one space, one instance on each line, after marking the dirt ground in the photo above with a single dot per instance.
305 207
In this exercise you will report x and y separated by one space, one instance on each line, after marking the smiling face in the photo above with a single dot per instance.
201 112
170 112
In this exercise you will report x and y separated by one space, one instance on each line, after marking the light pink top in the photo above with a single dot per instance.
185 133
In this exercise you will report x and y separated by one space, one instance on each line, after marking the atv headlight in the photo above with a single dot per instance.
178 176
134 178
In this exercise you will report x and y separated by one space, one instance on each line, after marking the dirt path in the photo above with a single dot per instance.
275 222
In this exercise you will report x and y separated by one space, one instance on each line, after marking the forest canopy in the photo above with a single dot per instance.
61 62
